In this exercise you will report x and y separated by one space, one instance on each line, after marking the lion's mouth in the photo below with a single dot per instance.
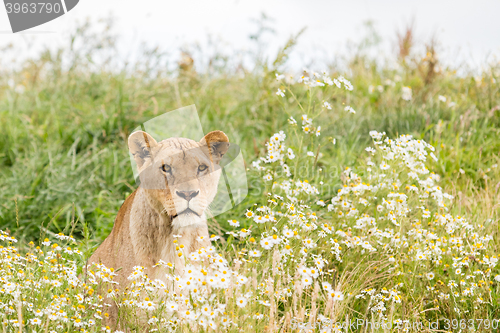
186 211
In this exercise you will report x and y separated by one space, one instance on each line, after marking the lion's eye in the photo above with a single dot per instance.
202 167
166 168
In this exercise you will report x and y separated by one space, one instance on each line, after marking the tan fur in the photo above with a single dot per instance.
144 229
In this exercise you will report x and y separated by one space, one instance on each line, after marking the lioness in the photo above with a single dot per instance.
179 180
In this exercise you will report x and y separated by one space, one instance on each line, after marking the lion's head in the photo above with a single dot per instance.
179 176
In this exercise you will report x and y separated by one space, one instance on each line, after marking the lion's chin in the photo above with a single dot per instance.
187 219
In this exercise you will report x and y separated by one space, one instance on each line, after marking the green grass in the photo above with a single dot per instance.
64 162
63 153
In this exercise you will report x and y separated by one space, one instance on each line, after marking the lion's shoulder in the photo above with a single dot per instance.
124 212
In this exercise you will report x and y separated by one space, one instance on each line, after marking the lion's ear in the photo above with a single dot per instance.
140 145
217 143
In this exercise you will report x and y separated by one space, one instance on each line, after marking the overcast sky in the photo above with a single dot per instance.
468 30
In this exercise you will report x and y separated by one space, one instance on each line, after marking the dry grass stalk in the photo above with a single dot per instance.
228 293
300 317
296 292
47 325
314 309
329 305
286 325
272 308
294 301
20 314
254 279
276 259
405 42
299 290
278 286
429 64
186 63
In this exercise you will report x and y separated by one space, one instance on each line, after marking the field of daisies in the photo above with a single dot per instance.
373 198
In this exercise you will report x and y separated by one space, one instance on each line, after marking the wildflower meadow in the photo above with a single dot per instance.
373 195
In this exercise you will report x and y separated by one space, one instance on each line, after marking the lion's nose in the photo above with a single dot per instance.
188 195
